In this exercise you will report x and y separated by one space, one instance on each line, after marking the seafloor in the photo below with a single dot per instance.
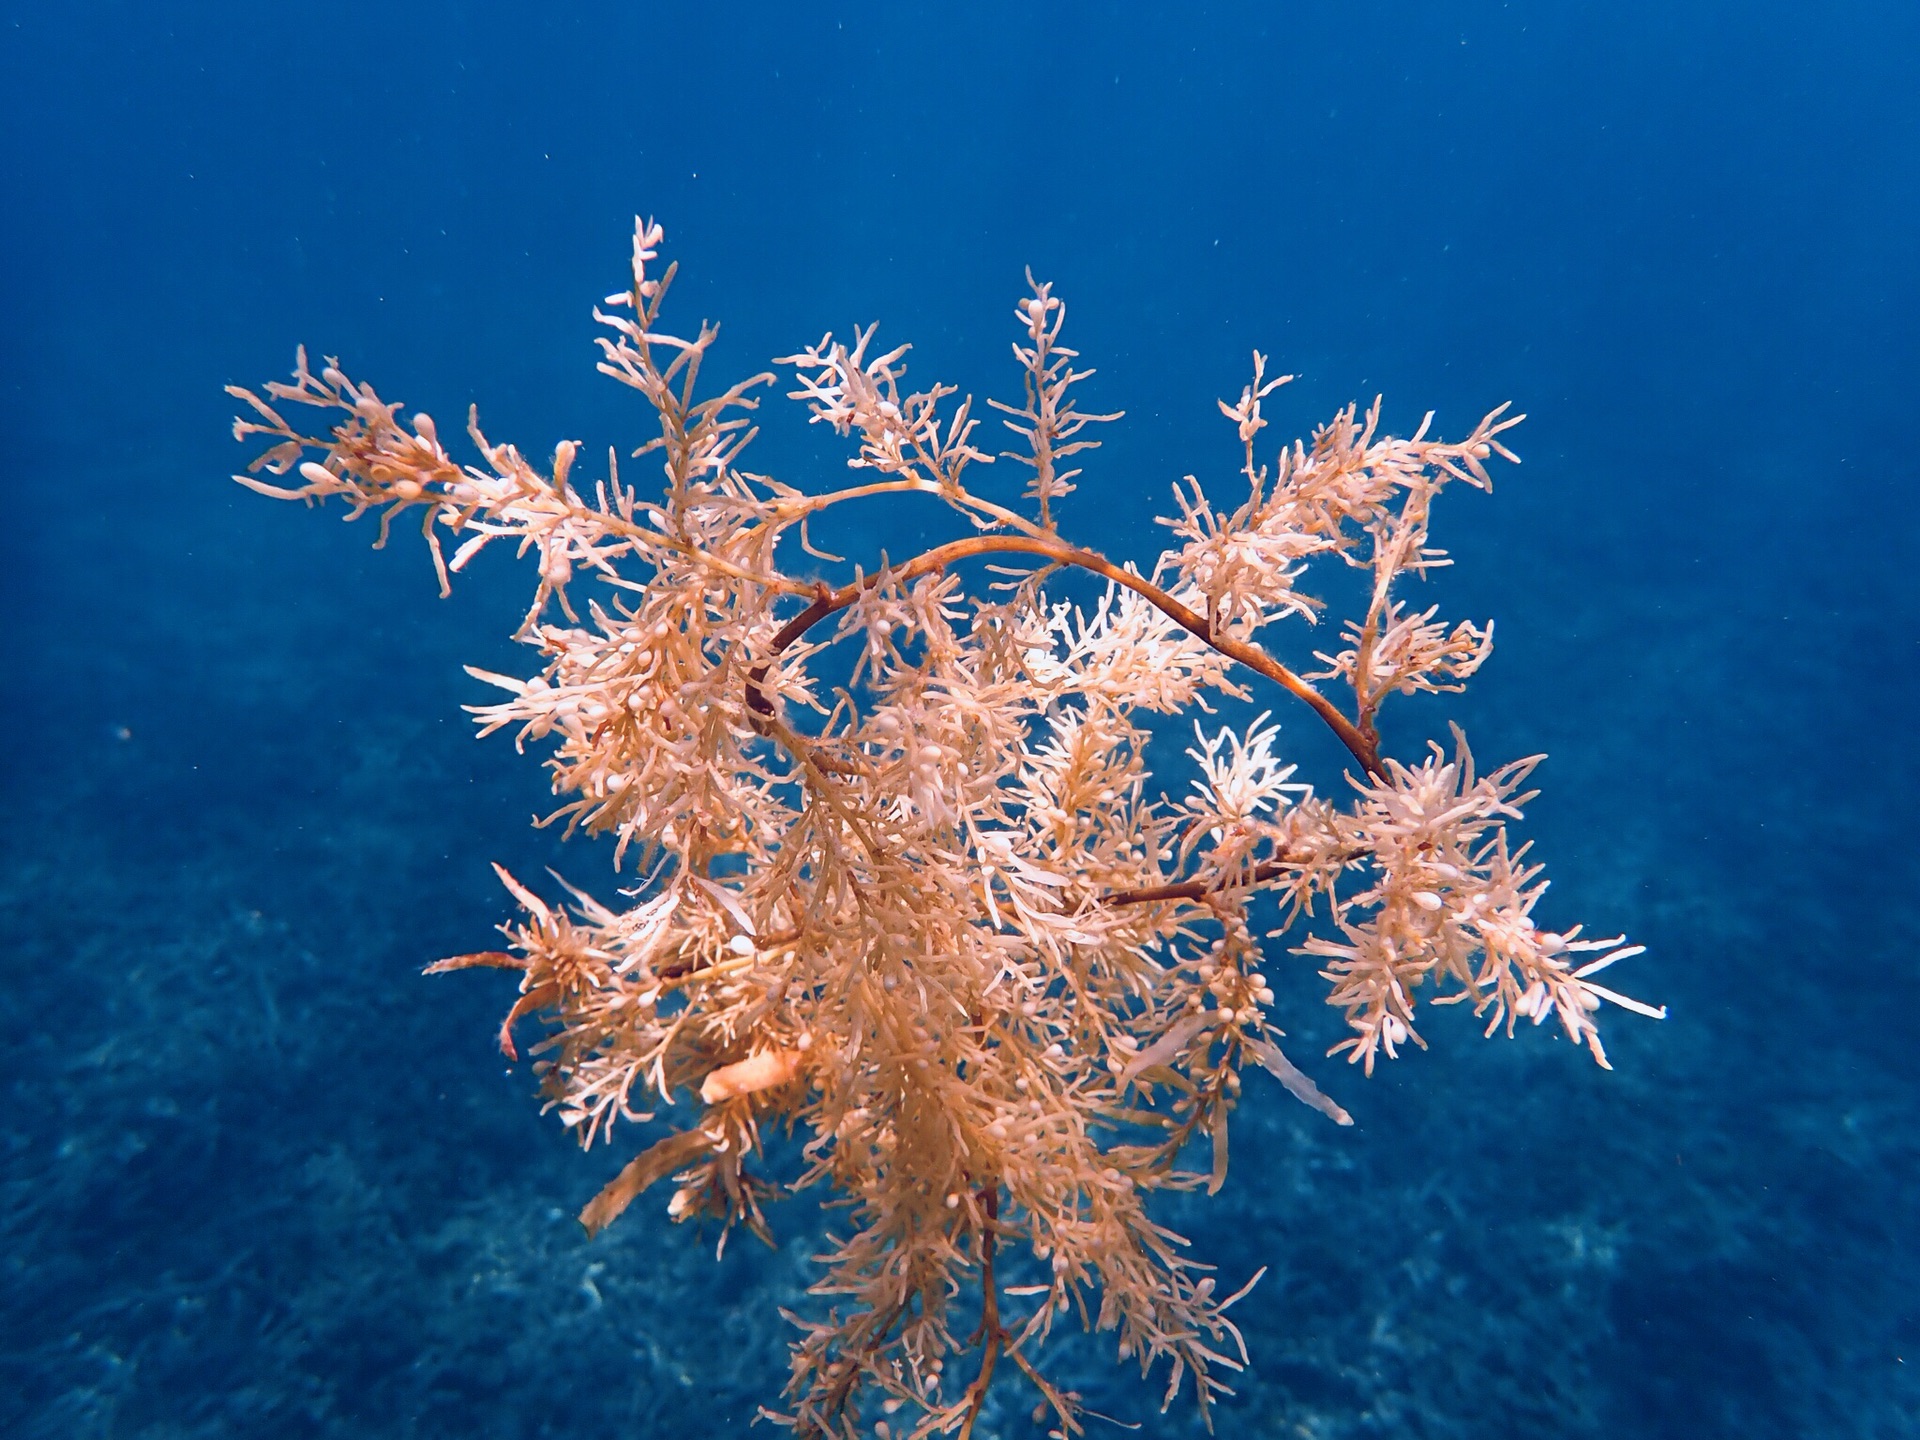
263 1178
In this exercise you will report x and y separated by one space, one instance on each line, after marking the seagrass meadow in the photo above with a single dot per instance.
978 804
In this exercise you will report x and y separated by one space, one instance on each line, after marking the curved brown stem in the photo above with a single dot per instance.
1362 746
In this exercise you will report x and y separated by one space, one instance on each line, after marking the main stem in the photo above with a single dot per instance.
990 1334
1363 747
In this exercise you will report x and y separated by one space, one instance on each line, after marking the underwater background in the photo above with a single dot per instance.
258 1177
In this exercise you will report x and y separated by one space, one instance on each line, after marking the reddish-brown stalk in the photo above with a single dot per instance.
1363 747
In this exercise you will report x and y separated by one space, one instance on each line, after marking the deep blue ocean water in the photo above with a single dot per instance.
260 1178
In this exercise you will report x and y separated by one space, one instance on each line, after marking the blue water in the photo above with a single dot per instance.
259 1178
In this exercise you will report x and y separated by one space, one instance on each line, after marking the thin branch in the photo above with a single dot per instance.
1198 889
789 508
1362 747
